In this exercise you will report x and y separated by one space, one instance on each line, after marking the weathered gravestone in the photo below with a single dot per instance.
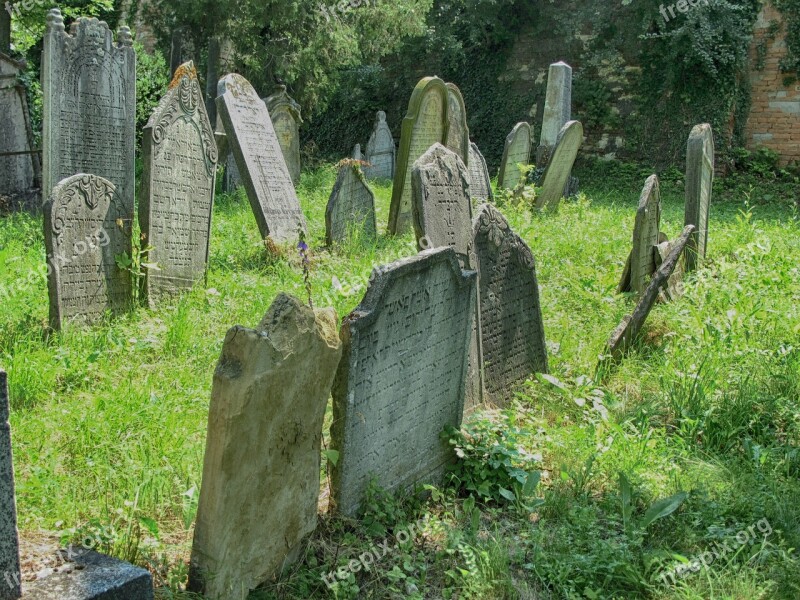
86 226
642 261
557 109
357 153
425 124
89 105
699 181
9 539
19 165
180 166
512 332
380 150
262 463
556 175
351 208
517 152
480 185
253 143
401 379
457 132
285 115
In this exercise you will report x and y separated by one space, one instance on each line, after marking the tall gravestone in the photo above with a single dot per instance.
646 229
180 167
10 588
517 151
425 124
351 208
89 105
699 182
457 132
286 119
480 185
261 474
512 332
557 173
357 152
381 150
254 145
19 165
86 227
557 109
401 378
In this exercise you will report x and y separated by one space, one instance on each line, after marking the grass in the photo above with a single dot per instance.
109 422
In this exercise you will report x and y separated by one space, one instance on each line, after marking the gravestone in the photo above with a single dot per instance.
9 538
19 165
351 208
380 150
89 105
254 145
261 474
699 182
457 132
556 175
357 153
646 231
233 180
180 167
86 226
425 124
517 151
557 109
512 332
285 115
401 379
480 185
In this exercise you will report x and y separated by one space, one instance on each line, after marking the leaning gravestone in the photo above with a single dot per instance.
401 379
252 140
556 175
351 208
699 181
646 231
86 226
380 150
286 119
557 109
19 165
517 152
261 471
457 132
180 166
426 124
9 539
480 185
89 105
512 331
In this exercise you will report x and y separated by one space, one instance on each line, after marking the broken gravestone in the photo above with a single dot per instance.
285 115
380 150
457 132
699 181
19 164
642 260
9 538
557 109
480 185
556 175
516 152
350 213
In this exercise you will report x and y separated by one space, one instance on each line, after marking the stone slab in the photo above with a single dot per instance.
9 538
458 131
18 173
646 229
381 150
480 184
357 155
285 114
557 109
351 208
557 174
699 184
517 151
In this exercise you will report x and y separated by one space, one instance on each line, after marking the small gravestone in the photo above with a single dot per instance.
646 229
425 124
457 132
351 208
357 153
86 226
401 379
286 119
517 152
699 181
380 150
9 538
89 105
180 166
480 185
261 474
512 332
557 109
254 145
556 175
19 165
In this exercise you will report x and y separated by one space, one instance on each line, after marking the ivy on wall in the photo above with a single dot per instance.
790 9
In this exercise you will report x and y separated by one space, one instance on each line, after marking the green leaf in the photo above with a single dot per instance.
554 381
534 477
150 525
332 456
507 494
626 491
663 508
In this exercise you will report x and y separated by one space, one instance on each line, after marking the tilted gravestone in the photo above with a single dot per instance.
425 124
401 379
177 190
89 105
480 185
457 132
261 474
350 213
646 229
381 150
254 144
517 152
86 226
556 175
699 182
10 588
557 109
285 115
512 332
19 165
